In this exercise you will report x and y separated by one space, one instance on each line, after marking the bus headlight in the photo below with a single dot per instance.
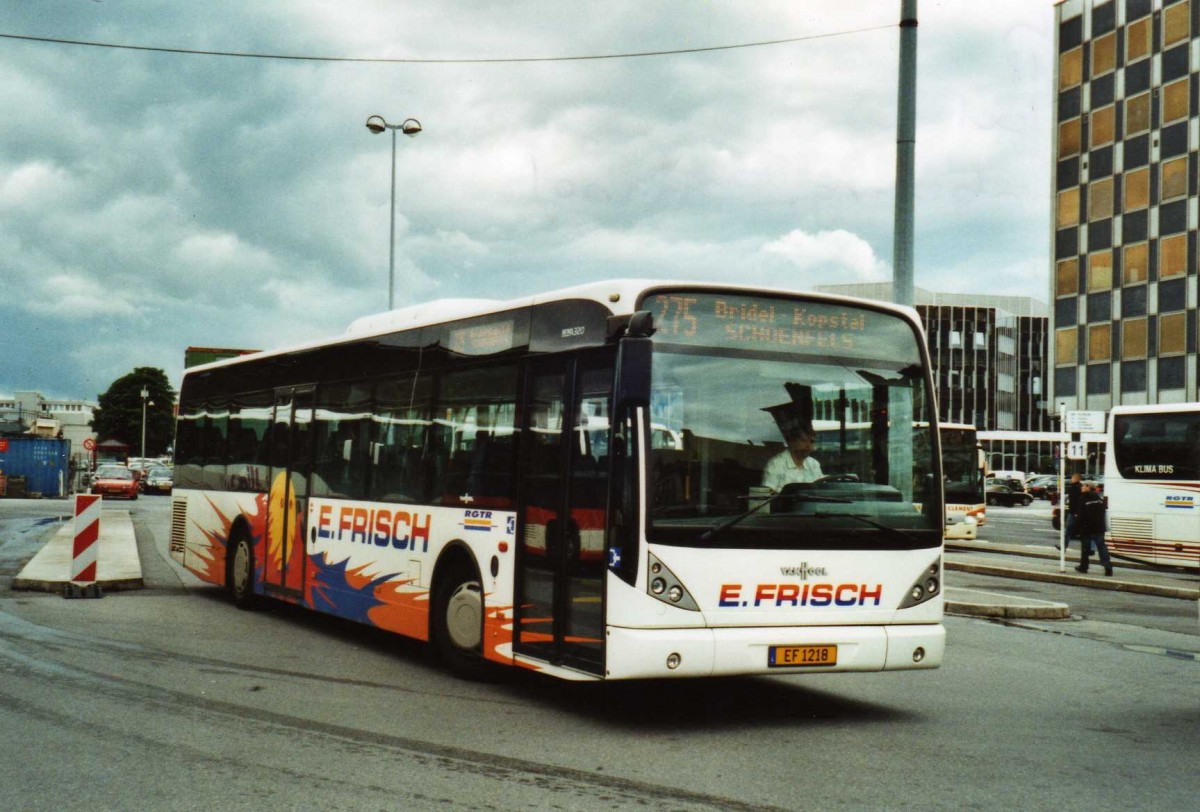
926 586
666 587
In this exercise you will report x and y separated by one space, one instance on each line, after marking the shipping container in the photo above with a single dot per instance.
44 463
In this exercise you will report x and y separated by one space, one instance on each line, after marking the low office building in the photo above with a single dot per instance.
988 354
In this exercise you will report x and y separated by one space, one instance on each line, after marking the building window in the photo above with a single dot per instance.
1133 376
1066 346
1068 207
1137 189
1137 39
1171 373
956 339
1135 261
1100 199
1133 338
1137 114
1103 123
1104 54
1174 178
1099 379
1175 100
1172 256
1066 277
1176 27
1099 273
1171 333
1099 342
1070 68
1068 138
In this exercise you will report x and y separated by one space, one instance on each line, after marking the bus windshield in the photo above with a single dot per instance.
1163 445
797 424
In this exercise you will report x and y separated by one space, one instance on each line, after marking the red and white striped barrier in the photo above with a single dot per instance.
87 538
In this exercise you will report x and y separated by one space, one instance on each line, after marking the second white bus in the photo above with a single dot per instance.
1152 483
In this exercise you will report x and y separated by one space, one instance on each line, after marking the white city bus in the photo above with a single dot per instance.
1152 483
572 482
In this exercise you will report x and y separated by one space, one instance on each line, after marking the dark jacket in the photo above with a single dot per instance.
1093 514
1074 497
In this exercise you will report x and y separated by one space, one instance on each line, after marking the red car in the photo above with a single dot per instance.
115 482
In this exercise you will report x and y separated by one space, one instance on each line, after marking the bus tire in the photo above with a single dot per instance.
241 573
458 623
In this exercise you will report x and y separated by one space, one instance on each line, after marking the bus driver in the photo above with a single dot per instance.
794 463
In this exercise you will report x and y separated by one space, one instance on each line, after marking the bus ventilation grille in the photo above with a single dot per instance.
1132 528
178 525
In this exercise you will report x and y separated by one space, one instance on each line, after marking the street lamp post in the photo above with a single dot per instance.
145 394
410 127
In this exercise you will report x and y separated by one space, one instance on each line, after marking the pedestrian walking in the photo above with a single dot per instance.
1069 510
1093 522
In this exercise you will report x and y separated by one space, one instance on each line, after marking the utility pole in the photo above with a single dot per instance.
906 143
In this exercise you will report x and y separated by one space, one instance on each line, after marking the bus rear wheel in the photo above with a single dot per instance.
458 624
241 573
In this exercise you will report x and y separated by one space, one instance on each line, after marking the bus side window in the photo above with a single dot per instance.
477 411
341 437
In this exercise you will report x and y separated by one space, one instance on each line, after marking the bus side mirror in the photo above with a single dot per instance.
641 325
633 374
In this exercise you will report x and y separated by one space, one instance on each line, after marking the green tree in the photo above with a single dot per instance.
120 414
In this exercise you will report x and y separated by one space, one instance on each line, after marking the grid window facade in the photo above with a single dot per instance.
1126 208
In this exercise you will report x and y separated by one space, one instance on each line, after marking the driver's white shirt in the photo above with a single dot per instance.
782 470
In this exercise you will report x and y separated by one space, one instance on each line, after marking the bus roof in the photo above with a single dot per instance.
1157 408
618 295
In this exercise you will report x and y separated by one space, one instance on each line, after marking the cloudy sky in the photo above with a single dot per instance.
150 201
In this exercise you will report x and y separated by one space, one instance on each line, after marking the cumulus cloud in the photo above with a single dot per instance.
830 254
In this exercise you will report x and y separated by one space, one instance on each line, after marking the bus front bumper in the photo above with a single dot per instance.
660 653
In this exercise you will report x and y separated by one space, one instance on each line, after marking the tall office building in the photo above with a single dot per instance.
1126 135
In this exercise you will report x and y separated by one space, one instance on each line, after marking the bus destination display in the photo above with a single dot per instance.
773 324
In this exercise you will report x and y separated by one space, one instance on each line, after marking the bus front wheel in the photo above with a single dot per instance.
458 623
241 574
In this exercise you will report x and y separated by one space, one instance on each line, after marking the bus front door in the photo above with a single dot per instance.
560 580
287 499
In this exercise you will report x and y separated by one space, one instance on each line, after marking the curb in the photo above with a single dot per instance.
58 587
1054 611
1092 582
980 603
118 566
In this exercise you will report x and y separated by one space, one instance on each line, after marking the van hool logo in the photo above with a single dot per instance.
803 571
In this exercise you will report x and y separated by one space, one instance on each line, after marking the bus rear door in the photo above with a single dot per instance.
287 501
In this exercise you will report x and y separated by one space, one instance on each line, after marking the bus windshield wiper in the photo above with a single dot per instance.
730 521
880 525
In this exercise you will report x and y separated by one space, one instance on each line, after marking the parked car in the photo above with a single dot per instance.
115 481
999 492
158 479
1039 487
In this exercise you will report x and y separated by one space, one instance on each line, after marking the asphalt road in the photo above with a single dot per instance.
170 698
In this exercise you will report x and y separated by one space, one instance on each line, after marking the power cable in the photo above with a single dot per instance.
415 61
